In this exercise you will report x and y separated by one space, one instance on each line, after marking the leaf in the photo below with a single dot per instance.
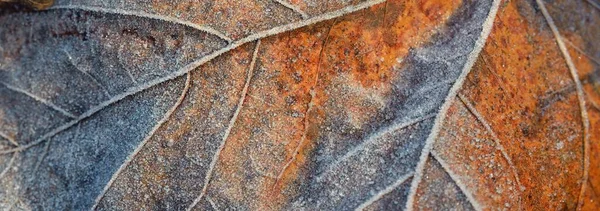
211 105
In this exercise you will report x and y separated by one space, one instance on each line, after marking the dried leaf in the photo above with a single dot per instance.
300 104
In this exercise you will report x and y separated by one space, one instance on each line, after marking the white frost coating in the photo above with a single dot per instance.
205 29
293 8
129 159
385 191
370 140
41 100
441 117
232 122
580 96
195 64
463 188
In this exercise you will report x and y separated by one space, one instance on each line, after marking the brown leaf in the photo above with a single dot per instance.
300 104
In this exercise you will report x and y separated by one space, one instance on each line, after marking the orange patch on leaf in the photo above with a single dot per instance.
522 87
342 67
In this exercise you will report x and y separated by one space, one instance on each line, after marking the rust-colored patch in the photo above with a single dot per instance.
520 85
587 67
473 155
591 200
343 67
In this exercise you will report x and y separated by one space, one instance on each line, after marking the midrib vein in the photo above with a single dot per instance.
441 116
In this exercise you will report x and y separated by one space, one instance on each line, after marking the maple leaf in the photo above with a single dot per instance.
300 104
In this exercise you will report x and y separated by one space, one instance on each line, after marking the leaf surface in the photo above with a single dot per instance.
300 104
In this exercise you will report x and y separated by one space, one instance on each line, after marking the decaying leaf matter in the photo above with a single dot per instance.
301 104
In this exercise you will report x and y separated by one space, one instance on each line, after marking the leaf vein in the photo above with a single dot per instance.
72 62
582 51
456 179
10 163
293 8
41 100
166 117
193 65
10 139
580 96
202 28
489 129
371 139
385 191
441 116
594 4
313 95
232 122
212 203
